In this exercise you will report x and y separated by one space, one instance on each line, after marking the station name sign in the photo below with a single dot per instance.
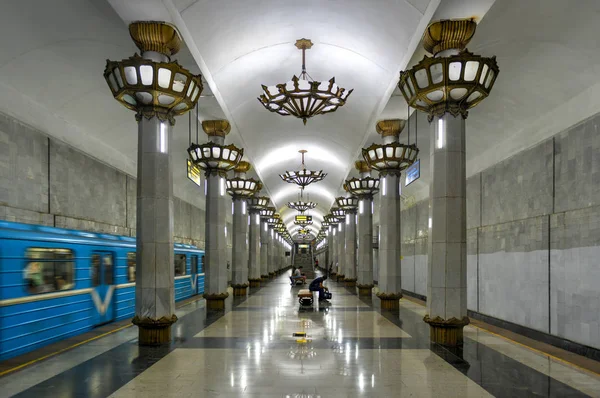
303 218
413 173
193 172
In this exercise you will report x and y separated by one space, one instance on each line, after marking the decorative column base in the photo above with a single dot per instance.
215 301
448 332
364 290
340 277
240 289
271 275
333 275
350 282
390 301
254 282
154 331
264 278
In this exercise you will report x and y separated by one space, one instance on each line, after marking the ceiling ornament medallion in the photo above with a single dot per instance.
303 177
301 97
453 80
153 85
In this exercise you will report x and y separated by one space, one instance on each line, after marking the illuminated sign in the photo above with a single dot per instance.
303 218
413 173
193 172
303 246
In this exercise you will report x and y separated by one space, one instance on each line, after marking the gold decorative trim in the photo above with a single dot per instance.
218 128
362 166
155 36
304 44
242 167
255 282
447 332
154 331
390 301
364 290
448 34
239 285
390 127
215 296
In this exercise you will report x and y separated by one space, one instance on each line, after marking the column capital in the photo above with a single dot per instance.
218 128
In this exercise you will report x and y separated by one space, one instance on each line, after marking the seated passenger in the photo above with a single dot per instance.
317 286
297 275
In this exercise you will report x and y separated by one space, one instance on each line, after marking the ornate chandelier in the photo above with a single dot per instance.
302 97
453 83
303 177
154 88
300 205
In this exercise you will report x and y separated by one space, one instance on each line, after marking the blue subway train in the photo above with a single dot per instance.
56 283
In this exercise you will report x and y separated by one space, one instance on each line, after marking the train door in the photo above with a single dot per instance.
103 286
194 274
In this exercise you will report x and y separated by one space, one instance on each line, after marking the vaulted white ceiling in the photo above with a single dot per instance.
52 55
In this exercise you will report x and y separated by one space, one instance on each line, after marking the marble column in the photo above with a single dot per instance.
217 205
376 256
350 248
365 246
447 254
264 249
254 248
271 253
154 290
390 287
341 249
239 255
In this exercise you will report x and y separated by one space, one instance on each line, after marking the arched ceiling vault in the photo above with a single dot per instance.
51 77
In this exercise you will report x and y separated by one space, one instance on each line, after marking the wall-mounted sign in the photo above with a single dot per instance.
303 246
413 172
193 172
303 218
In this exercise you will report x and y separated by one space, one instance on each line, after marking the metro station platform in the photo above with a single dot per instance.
352 349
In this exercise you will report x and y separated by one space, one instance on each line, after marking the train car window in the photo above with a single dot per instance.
48 270
108 269
194 265
179 264
95 270
131 266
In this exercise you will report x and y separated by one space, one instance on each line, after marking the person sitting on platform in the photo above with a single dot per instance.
297 276
317 286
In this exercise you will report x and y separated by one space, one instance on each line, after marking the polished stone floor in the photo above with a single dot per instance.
352 349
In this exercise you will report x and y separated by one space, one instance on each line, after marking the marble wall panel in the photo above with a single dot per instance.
575 275
472 270
84 188
519 187
23 166
514 272
577 166
474 201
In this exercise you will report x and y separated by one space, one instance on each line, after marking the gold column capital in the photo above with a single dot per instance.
219 128
362 166
448 34
390 127
155 36
242 167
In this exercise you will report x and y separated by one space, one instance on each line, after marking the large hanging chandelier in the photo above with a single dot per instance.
302 177
301 205
302 97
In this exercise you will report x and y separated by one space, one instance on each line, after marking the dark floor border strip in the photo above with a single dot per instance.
414 295
11 365
567 345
